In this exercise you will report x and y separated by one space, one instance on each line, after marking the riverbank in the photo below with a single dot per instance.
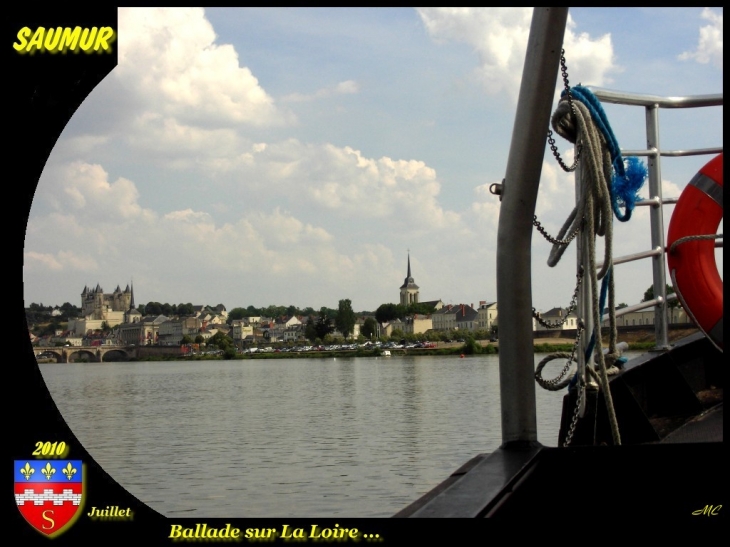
543 345
638 341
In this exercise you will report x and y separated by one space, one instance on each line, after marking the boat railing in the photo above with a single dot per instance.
652 105
518 196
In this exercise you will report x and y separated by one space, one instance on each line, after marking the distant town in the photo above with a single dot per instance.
114 319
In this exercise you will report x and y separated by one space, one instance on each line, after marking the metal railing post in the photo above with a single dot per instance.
656 215
514 235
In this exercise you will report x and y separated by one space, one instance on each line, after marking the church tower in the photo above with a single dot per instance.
409 289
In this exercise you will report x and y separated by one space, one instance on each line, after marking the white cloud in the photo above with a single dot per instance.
283 229
182 146
62 260
590 58
709 46
499 38
342 181
170 62
255 213
98 226
347 87
84 189
189 216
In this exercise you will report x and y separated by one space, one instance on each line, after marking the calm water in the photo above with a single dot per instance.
296 438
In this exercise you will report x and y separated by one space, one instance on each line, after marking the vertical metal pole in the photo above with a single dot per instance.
656 216
514 236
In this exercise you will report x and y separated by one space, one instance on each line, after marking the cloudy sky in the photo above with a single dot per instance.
294 156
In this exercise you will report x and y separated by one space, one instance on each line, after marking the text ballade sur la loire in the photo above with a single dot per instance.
203 531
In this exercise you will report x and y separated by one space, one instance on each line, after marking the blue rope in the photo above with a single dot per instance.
592 341
629 177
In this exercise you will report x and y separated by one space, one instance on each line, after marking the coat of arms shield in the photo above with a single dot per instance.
49 493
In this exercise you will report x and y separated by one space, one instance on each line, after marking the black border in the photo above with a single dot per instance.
45 92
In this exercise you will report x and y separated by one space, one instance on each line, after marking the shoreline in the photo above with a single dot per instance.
638 342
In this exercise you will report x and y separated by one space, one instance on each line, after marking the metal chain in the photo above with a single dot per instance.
548 383
581 393
554 148
558 383
551 239
576 411
571 307
551 141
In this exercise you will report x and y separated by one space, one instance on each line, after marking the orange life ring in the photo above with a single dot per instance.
692 264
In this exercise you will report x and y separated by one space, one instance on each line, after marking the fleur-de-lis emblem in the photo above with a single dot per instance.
69 471
27 471
48 471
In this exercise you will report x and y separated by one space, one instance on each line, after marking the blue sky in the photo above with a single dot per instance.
294 156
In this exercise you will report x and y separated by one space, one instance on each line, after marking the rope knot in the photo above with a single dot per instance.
564 122
612 359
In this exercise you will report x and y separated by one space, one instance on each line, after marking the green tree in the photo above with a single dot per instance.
199 339
369 328
388 312
423 309
153 308
238 313
396 335
310 330
649 295
51 328
69 310
186 339
185 309
273 311
471 346
323 324
220 340
345 321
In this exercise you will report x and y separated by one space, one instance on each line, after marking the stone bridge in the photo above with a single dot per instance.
91 354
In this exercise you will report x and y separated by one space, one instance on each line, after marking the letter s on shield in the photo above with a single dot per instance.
49 493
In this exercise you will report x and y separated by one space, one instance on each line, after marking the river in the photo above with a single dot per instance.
287 438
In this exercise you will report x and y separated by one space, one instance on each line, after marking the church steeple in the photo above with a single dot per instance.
409 289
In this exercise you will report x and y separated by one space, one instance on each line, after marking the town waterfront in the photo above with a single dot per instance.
288 438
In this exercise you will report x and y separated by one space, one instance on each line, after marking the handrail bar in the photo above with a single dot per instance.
645 254
674 153
639 306
655 202
652 104
640 99
632 257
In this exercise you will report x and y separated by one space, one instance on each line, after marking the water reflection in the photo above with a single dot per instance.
359 437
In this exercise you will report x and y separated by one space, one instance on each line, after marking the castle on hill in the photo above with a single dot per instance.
98 307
